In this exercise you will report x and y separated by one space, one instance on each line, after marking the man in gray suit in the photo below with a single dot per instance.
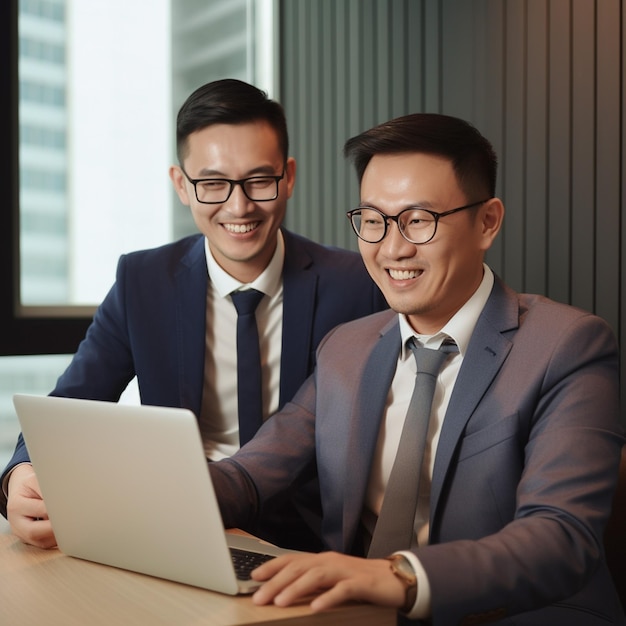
523 445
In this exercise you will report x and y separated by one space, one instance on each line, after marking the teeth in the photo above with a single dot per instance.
403 274
240 228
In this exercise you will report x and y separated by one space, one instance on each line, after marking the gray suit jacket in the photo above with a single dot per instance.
524 471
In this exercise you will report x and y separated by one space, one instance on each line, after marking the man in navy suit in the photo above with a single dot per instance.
169 318
523 442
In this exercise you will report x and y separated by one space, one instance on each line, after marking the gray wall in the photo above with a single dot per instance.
542 79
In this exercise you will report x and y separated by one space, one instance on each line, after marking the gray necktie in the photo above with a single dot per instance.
395 526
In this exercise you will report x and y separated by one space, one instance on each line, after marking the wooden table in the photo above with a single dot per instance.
45 587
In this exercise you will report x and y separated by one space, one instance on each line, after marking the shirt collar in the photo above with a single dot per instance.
268 282
460 327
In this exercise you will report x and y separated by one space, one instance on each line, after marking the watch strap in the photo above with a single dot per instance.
402 569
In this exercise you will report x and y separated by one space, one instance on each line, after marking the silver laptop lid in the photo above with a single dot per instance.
128 486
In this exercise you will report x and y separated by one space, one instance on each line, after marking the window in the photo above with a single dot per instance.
92 101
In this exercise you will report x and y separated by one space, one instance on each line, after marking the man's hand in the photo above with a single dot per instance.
338 577
26 510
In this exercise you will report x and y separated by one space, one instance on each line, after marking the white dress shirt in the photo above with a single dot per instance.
218 420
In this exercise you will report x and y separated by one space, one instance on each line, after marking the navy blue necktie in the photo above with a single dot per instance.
249 389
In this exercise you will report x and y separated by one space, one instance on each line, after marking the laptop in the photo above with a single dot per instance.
128 486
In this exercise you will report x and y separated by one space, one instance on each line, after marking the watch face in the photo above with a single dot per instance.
402 568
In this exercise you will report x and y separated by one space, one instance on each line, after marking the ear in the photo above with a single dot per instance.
290 175
179 181
491 215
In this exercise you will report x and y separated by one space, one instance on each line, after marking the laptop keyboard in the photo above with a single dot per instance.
245 561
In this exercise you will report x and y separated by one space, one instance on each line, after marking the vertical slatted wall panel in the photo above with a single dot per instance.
543 79
345 66
608 170
583 163
489 97
559 111
514 53
535 150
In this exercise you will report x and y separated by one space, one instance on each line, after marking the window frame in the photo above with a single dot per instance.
32 330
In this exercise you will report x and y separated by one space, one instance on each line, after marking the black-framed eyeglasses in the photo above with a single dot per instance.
415 224
218 190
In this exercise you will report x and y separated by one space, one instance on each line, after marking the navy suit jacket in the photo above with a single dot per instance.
152 323
524 471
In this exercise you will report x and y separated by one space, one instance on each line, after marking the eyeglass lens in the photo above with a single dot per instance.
257 188
417 225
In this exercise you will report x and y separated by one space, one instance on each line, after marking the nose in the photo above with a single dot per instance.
394 245
238 204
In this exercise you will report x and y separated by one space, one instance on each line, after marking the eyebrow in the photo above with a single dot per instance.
261 170
412 205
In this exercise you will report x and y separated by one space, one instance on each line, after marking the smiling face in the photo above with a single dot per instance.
430 282
241 233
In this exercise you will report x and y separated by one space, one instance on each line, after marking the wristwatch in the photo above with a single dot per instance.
402 569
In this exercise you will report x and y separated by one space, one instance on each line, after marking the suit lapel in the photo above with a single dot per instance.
299 289
190 280
486 353
367 415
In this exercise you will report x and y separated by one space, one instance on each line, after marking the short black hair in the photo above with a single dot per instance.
472 156
228 101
